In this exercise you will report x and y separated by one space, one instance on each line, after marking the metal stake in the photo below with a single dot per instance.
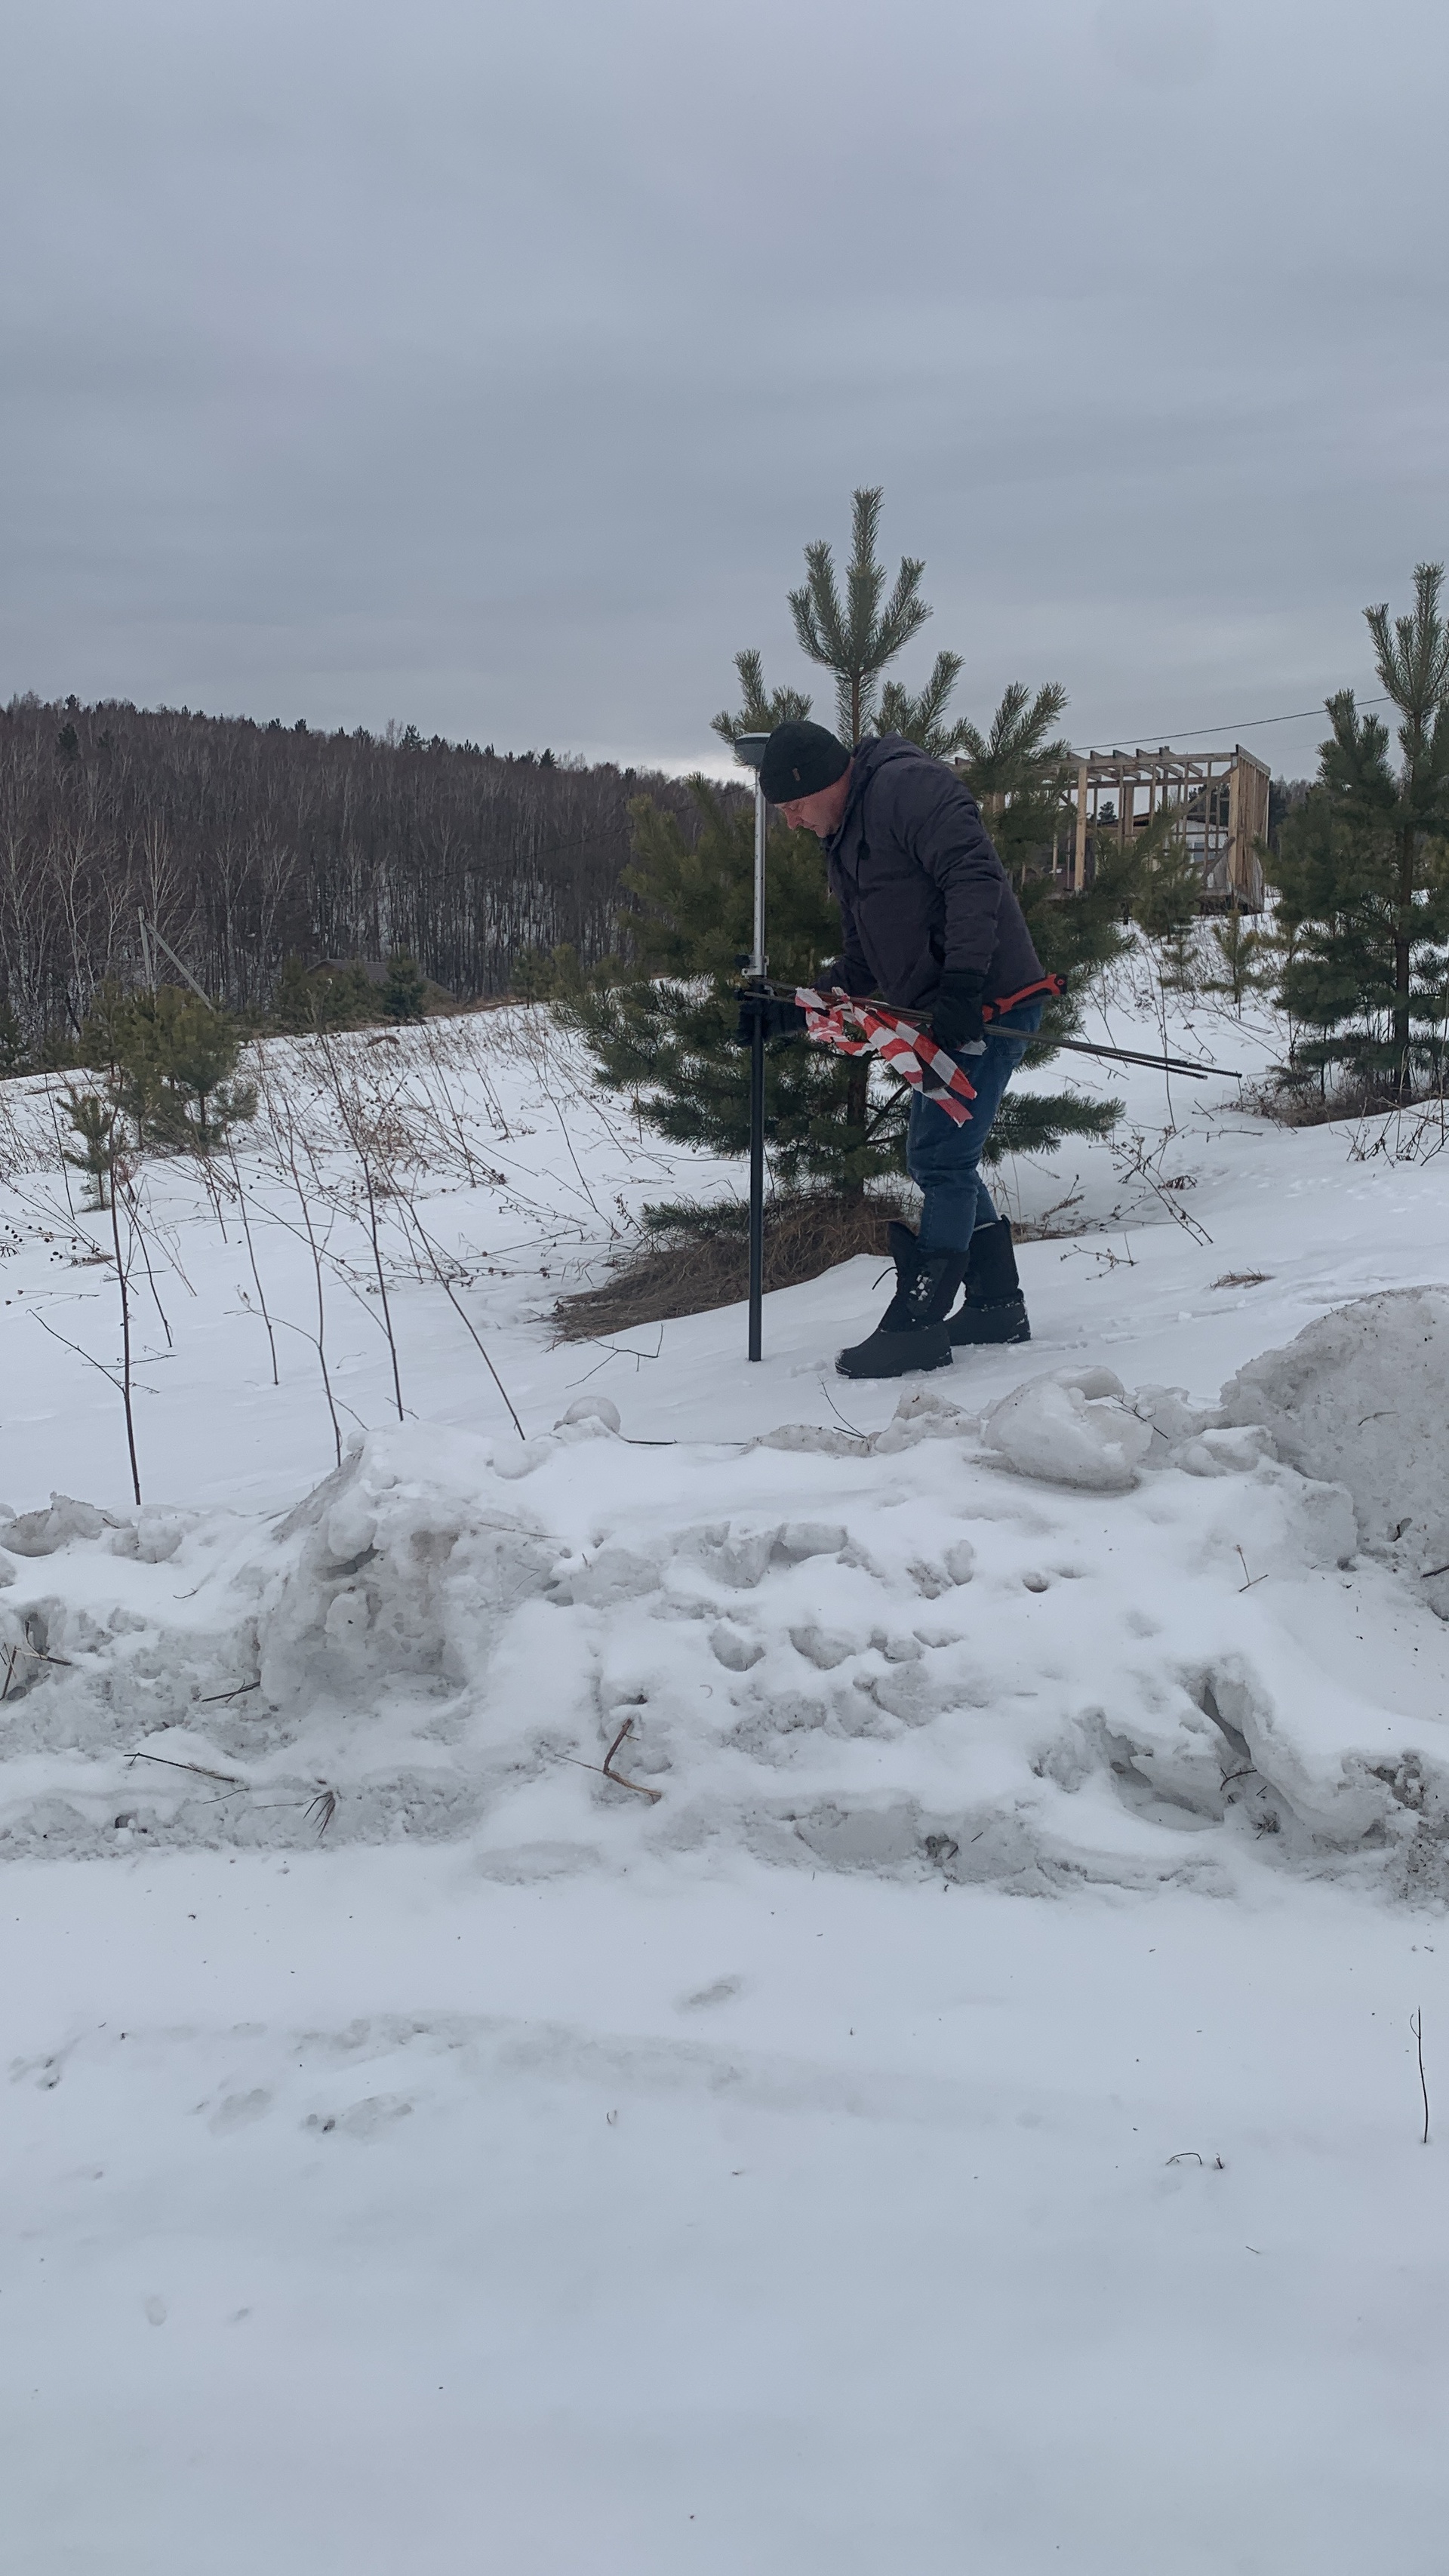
757 1094
750 748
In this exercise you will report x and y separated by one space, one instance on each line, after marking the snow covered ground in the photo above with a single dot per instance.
806 2154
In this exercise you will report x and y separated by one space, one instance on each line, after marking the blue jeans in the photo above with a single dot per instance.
943 1159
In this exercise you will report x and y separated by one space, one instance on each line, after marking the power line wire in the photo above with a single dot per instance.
1253 725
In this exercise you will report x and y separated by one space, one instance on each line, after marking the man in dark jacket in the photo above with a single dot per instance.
932 927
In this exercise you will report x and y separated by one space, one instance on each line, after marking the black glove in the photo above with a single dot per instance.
956 1012
782 1019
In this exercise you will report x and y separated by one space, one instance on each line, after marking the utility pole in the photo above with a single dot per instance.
750 749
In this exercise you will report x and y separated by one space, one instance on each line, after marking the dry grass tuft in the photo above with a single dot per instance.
1303 1102
695 1258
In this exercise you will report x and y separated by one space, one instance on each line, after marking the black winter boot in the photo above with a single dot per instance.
994 1309
911 1333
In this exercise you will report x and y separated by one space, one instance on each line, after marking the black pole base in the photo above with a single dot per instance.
757 1183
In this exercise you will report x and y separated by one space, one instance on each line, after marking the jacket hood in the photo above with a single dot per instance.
869 758
880 747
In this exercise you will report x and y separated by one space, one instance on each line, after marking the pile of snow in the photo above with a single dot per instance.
1101 1633
1362 1398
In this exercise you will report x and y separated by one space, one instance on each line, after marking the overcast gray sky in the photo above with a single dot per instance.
488 367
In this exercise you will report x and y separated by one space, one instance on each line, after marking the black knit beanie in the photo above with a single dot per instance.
799 760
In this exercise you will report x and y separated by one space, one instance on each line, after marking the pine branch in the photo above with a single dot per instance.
761 709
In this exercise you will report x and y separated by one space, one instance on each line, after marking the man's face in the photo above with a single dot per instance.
820 813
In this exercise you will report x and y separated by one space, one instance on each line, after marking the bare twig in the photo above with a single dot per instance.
355 1127
252 1258
123 1275
839 1416
318 1339
381 1283
321 1810
91 1362
133 1212
1252 1578
1416 2025
445 1284
59 1147
611 1774
601 1771
573 1158
167 1764
37 1656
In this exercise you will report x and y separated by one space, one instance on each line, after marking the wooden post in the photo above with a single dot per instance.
1079 850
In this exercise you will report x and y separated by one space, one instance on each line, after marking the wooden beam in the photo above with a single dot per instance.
1079 850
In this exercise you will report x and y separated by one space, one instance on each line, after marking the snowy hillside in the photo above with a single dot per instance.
710 2159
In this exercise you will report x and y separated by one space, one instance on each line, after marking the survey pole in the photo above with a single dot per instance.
750 748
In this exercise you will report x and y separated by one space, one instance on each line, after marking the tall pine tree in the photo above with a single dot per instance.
1362 869
662 1029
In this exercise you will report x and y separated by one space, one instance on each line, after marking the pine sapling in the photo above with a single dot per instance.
92 1116
123 1277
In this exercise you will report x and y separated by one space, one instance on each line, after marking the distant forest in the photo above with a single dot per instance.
251 843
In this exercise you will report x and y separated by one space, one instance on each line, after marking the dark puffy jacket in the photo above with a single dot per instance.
921 890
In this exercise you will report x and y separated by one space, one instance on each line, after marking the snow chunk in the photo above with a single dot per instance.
1168 1410
1225 1453
922 1414
800 1539
594 1413
513 1464
732 1648
1074 1427
41 1533
1361 1398
153 1537
811 1437
392 1569
612 1574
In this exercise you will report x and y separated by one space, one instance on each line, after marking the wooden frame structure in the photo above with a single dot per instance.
1219 797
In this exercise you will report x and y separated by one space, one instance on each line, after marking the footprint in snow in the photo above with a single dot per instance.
366 2119
719 1993
238 2111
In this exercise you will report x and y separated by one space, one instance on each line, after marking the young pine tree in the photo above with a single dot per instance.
1362 869
1014 770
92 1117
318 998
201 1099
669 1042
173 1070
14 1052
664 1032
1239 949
404 994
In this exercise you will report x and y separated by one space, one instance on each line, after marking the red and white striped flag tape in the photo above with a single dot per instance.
852 1027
